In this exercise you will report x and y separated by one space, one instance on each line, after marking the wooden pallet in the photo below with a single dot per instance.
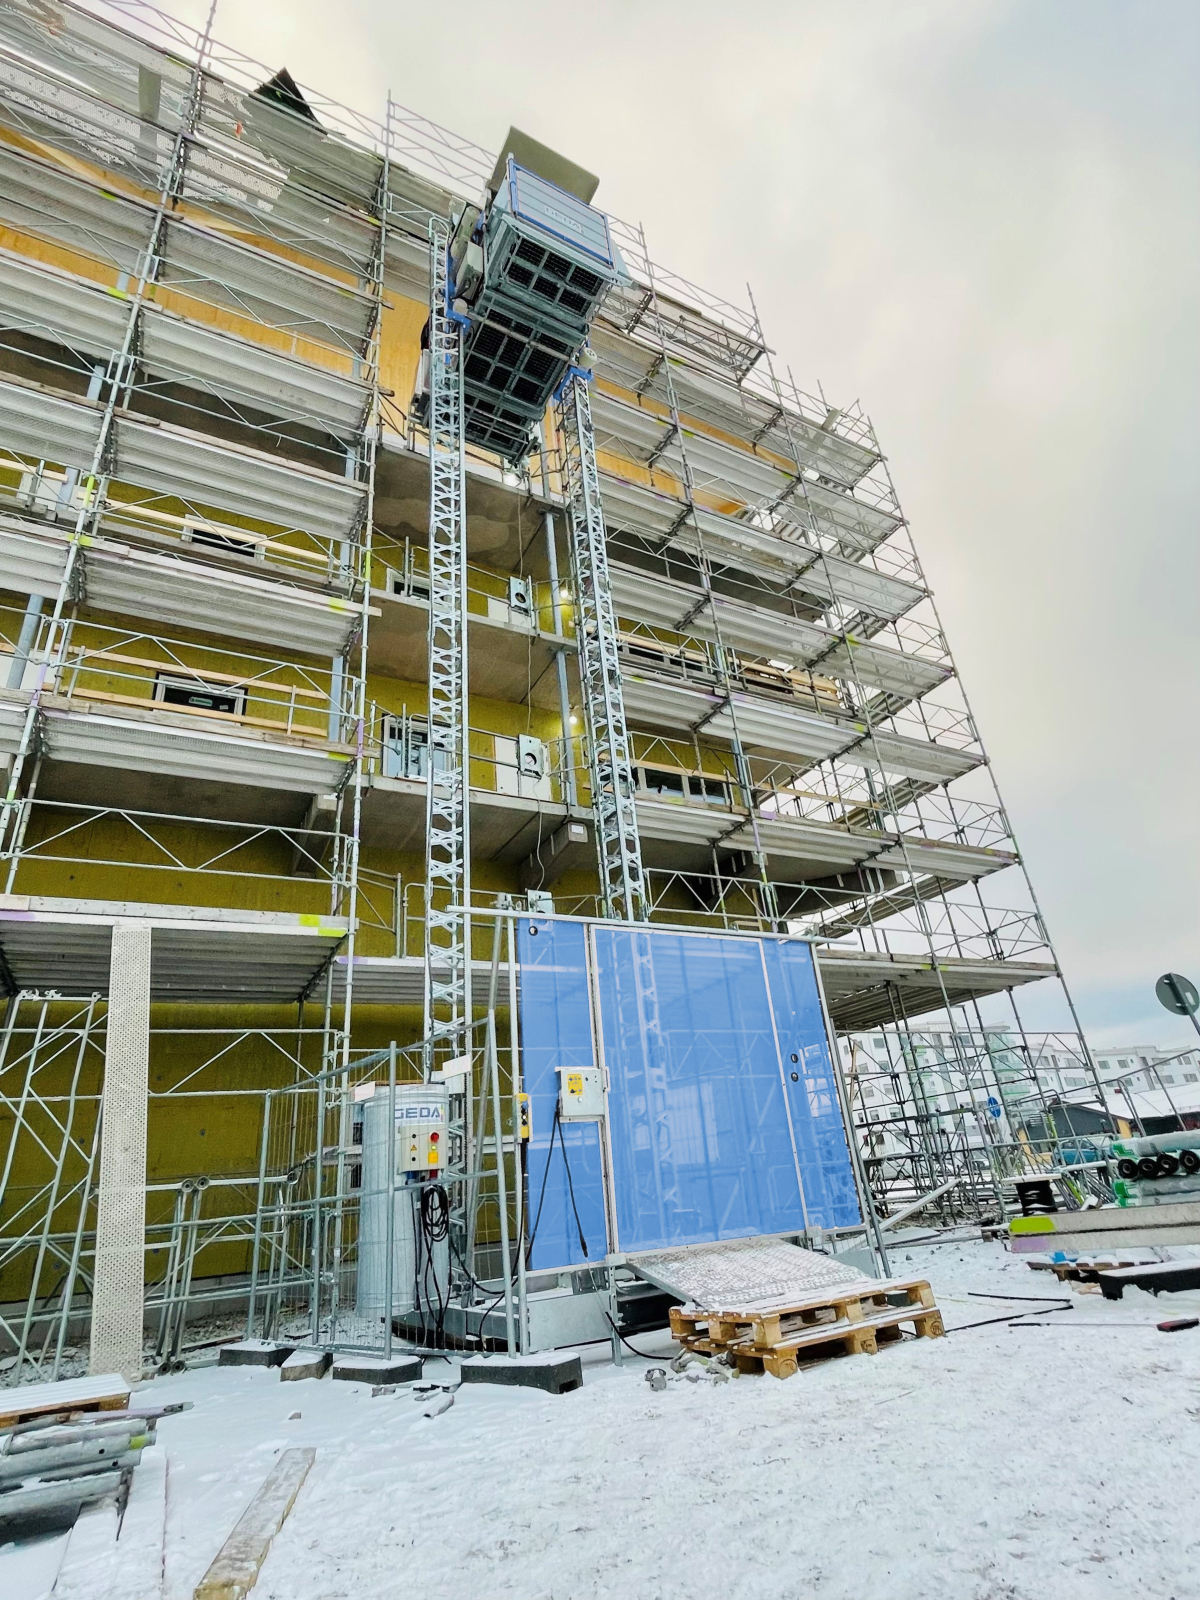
1087 1271
775 1338
23 1403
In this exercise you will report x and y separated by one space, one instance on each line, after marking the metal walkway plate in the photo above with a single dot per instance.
744 1274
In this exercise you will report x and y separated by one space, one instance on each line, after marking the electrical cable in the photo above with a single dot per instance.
557 1129
1034 1299
627 1344
1051 1306
435 1228
571 1186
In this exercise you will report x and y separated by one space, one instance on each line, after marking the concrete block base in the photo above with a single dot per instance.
305 1364
375 1370
551 1371
254 1353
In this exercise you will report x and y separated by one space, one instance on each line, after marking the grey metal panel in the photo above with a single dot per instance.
185 748
762 552
825 846
881 668
270 202
859 526
252 373
186 593
198 952
31 562
223 271
768 634
743 1273
773 728
944 860
103 59
40 299
14 707
44 199
637 432
740 410
561 1317
178 461
823 843
877 593
317 156
682 823
914 758
55 107
41 197
864 989
47 426
395 980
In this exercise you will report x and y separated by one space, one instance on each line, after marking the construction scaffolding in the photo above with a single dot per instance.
294 684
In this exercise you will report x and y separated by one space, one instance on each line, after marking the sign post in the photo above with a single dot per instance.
1180 995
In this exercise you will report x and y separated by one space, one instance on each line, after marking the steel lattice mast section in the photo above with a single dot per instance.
447 819
618 847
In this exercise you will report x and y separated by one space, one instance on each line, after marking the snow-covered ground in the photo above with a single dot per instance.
1041 1463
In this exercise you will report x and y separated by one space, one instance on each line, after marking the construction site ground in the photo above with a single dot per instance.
1000 1463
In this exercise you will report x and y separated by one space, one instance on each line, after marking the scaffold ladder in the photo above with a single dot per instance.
618 847
447 821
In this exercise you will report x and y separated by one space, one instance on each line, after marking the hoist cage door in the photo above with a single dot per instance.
722 1118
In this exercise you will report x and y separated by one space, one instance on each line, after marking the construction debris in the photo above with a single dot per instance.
54 1464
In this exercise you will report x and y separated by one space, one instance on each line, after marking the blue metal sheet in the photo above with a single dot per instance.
556 1030
816 1116
556 212
711 1137
698 1117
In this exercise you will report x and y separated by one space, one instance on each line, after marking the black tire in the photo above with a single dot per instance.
1168 1165
1127 1168
1148 1167
1189 1160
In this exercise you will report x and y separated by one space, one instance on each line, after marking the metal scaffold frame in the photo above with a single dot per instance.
328 382
221 319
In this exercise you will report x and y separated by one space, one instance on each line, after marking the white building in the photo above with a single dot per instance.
1148 1067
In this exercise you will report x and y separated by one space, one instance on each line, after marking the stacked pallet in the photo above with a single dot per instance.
777 1336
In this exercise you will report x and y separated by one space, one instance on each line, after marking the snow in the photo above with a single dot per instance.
1053 1463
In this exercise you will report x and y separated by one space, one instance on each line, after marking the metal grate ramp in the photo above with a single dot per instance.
743 1273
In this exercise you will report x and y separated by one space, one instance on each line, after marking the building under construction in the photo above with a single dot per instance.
415 600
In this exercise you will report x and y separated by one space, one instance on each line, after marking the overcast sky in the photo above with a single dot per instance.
981 218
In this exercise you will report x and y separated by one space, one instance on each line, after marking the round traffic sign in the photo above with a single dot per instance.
1178 994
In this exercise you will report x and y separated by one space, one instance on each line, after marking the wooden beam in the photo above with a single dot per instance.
235 1570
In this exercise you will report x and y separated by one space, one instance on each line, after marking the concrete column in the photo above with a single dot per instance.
118 1296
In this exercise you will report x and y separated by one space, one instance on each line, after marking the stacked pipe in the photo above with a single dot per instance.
52 1467
1157 1170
